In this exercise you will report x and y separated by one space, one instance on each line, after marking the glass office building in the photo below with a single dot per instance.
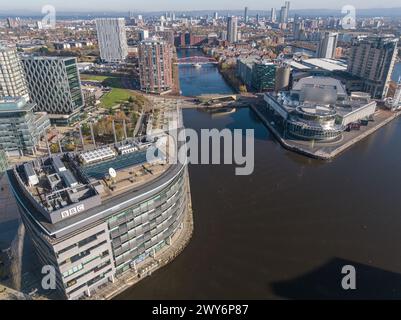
258 75
21 128
55 87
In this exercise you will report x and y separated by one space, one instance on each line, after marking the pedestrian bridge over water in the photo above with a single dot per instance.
196 60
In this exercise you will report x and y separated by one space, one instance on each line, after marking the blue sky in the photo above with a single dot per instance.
162 5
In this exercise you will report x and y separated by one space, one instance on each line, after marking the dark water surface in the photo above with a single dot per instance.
287 230
204 80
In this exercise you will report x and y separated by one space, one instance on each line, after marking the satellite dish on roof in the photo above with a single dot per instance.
112 173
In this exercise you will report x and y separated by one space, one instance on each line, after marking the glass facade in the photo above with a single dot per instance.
257 75
20 128
54 85
138 231
90 254
264 76
74 83
312 133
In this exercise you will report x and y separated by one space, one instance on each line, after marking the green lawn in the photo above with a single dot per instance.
117 94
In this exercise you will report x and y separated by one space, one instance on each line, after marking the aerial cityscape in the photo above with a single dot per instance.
185 153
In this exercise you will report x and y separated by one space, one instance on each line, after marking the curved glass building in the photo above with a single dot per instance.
318 109
314 123
92 223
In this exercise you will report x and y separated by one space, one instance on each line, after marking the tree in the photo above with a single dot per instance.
69 147
86 131
224 66
242 88
54 148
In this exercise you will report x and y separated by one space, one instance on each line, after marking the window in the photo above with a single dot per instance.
66 249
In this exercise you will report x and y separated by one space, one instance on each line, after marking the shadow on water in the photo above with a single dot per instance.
324 282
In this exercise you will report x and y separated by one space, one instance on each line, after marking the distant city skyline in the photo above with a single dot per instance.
181 5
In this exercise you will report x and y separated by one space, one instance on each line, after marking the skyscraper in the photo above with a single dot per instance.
155 66
55 86
327 45
372 59
273 15
12 79
232 29
282 15
112 39
246 14
287 7
285 12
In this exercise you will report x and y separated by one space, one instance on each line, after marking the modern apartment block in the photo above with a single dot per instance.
327 45
373 59
155 66
112 39
232 29
55 87
20 128
12 79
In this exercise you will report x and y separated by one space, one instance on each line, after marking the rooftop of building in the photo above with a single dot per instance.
314 81
252 60
326 64
298 65
9 104
67 190
49 58
153 40
327 93
7 47
377 39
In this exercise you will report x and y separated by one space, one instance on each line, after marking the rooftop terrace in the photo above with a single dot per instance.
64 185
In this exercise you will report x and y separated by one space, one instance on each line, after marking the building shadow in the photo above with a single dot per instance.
325 283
